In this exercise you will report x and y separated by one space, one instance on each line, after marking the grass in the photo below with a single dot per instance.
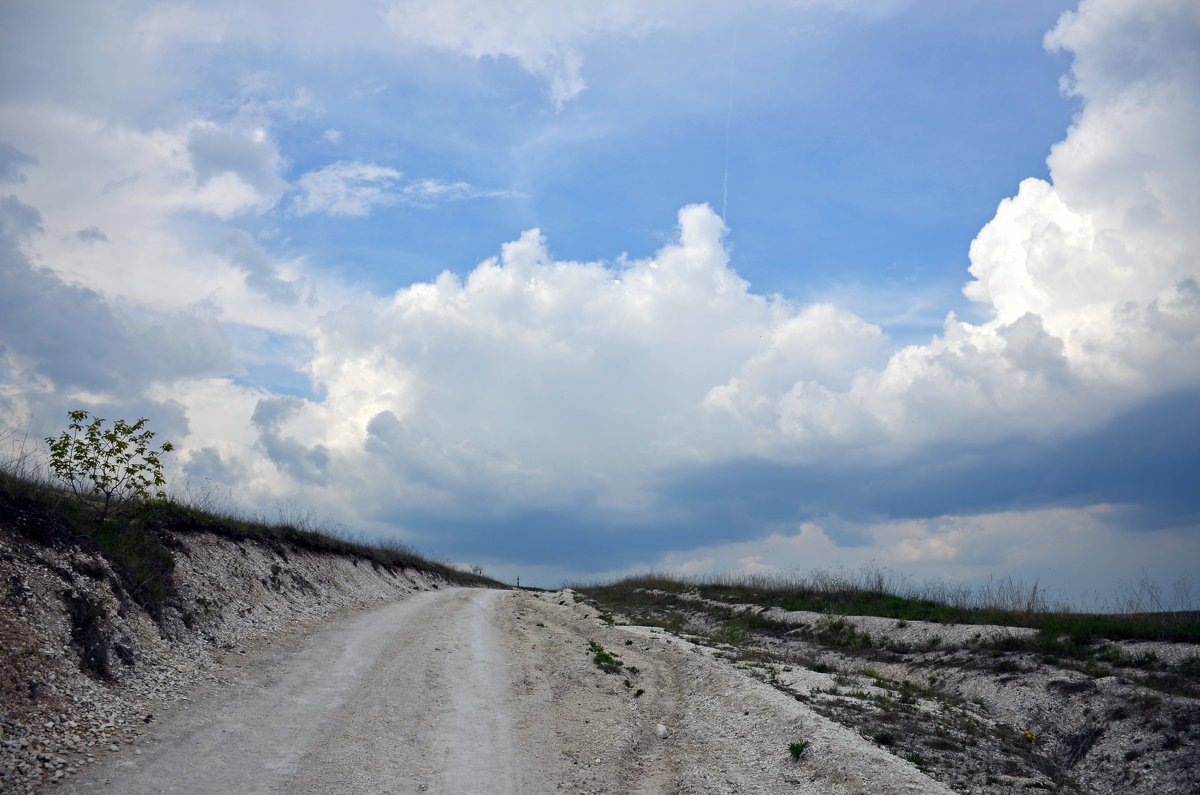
966 742
609 663
872 591
796 749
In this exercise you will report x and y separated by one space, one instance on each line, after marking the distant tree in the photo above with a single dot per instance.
108 467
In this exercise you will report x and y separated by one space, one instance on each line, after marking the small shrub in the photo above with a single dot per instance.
733 632
796 749
885 738
604 661
108 468
917 760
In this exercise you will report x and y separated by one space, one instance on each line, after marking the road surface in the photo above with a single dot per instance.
481 691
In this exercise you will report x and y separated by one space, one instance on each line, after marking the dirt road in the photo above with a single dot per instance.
476 691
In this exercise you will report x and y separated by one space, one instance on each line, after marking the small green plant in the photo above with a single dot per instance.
733 632
108 467
885 738
604 661
796 749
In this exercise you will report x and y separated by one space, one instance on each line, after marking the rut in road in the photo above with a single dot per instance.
411 697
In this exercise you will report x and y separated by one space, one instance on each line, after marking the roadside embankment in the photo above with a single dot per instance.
90 649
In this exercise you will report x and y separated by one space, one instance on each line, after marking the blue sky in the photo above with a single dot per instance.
571 291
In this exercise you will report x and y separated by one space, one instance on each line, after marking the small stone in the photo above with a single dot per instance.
662 731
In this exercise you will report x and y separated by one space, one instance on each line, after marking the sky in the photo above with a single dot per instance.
570 291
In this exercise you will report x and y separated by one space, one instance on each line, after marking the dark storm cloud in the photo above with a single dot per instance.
1145 460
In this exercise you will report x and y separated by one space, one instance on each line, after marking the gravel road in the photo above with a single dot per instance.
478 691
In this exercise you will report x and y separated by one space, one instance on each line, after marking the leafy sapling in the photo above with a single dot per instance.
108 466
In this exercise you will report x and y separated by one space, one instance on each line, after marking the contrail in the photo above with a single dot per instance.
728 125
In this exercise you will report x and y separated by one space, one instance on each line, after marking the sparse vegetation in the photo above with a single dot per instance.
141 546
108 466
1143 610
897 684
609 663
796 749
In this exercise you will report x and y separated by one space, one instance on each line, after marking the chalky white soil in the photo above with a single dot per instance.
474 691
274 669
56 721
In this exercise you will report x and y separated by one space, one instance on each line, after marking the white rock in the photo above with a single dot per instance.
662 731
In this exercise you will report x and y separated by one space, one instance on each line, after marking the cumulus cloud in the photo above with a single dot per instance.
529 362
536 390
1082 275
1089 297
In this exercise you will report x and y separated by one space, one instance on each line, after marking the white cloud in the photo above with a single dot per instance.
536 381
1089 279
545 38
1092 299
353 189
346 188
141 188
533 369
